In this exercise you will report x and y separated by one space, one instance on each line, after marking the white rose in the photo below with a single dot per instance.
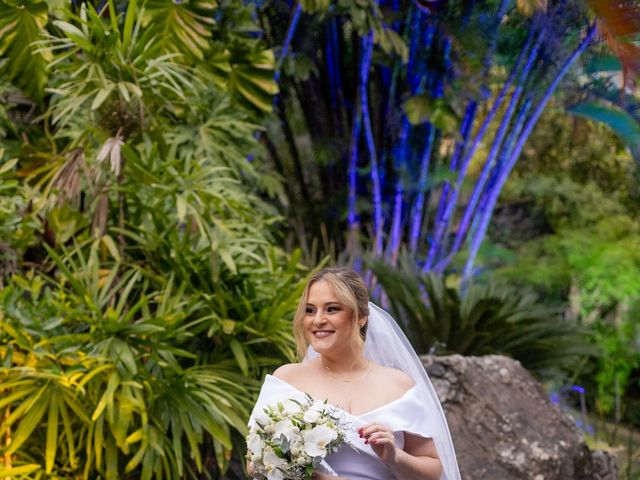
317 439
311 416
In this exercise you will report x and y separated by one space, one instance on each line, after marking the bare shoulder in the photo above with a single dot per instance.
395 379
290 371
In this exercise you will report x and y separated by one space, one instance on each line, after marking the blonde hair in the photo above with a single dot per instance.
351 291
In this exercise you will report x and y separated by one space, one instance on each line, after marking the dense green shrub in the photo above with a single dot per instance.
489 318
143 292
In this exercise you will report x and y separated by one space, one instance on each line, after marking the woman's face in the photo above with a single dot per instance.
327 322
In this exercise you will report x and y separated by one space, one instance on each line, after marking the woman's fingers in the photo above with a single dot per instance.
381 440
380 436
374 432
373 427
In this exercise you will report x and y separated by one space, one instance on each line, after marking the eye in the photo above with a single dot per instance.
333 309
309 310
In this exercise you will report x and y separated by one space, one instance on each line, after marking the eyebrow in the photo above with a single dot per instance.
326 303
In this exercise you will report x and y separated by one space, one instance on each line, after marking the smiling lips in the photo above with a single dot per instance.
322 333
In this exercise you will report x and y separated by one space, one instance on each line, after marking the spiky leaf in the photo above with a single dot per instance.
20 26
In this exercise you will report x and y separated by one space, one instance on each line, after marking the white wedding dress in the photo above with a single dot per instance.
418 411
404 414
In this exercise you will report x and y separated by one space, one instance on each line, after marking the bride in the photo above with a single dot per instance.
356 357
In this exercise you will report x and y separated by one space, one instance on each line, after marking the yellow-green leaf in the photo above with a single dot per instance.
21 470
52 433
101 97
238 353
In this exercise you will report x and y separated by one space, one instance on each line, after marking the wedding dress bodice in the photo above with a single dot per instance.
404 414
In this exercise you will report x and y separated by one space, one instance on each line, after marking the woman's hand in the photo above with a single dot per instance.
382 441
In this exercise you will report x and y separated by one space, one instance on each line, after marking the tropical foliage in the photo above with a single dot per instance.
489 318
415 154
567 226
143 289
153 154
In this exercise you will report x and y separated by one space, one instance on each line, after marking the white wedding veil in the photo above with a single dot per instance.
387 345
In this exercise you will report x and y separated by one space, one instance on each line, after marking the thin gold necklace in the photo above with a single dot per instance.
333 374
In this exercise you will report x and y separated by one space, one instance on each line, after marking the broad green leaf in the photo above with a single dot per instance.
8 165
68 432
20 26
108 242
17 395
28 423
423 108
607 63
130 17
238 353
101 97
623 124
183 27
251 94
315 6
52 433
418 109
21 470
74 34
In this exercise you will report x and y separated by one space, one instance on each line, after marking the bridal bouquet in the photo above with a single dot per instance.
290 439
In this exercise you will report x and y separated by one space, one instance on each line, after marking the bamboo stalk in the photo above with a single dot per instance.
365 64
495 147
510 162
402 159
443 222
418 205
293 24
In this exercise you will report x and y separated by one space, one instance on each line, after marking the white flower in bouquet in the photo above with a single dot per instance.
275 466
291 439
312 415
286 428
290 408
254 444
317 439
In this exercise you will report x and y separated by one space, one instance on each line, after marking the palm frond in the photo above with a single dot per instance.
183 27
487 319
21 26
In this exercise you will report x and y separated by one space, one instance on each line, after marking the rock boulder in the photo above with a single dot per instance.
504 427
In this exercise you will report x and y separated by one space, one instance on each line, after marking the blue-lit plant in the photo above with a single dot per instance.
416 145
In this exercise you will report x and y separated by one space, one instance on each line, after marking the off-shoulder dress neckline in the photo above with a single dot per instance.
359 416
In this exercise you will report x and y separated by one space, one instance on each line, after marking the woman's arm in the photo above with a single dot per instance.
419 460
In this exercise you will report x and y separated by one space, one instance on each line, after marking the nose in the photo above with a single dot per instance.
318 318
